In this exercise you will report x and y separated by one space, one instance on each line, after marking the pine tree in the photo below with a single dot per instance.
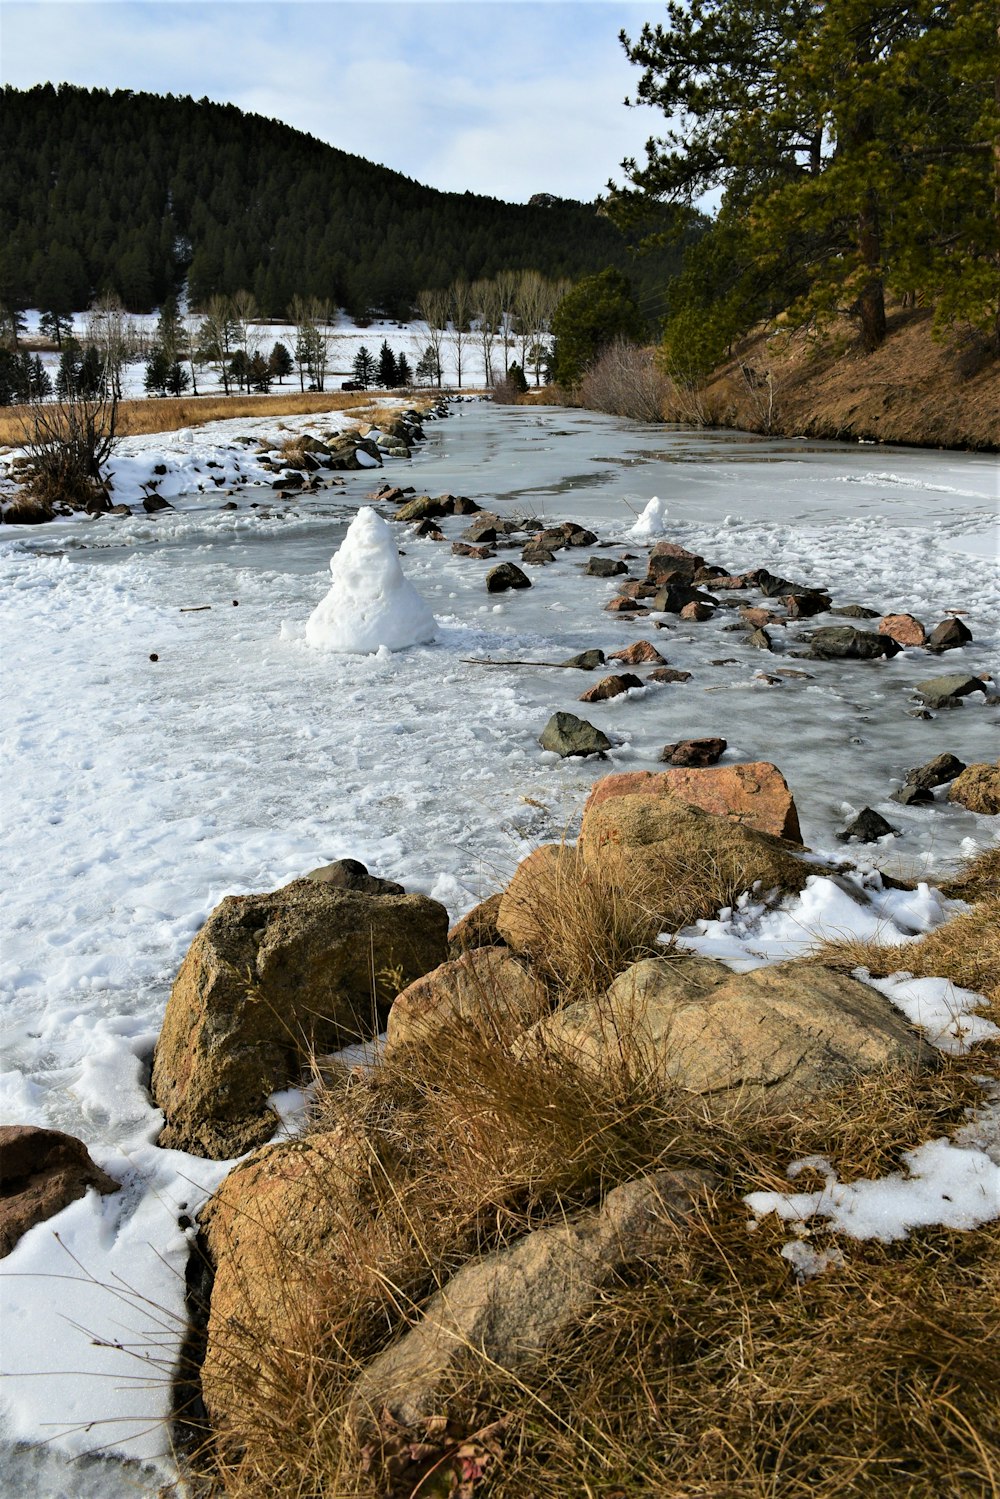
364 368
157 372
259 374
429 367
597 311
388 369
404 375
280 362
55 325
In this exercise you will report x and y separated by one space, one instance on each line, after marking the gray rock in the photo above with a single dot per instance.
351 874
936 772
948 635
760 640
856 611
845 643
936 691
501 1313
586 660
567 735
604 567
505 576
912 796
867 827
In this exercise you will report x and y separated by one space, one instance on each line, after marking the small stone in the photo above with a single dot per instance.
760 640
936 772
948 635
867 827
622 605
805 605
537 556
586 660
903 628
757 618
698 611
674 597
507 575
912 796
609 687
855 611
567 735
577 536
843 642
604 567
466 549
639 653
936 691
694 752
154 503
789 671
668 674
351 874
42 1170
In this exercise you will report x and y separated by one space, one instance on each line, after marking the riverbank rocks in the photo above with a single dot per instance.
609 687
978 788
755 795
904 629
604 567
639 653
267 980
477 928
585 661
949 635
506 576
566 735
668 674
777 1037
693 752
41 1172
499 1314
867 827
485 991
936 772
351 874
944 692
845 643
274 1230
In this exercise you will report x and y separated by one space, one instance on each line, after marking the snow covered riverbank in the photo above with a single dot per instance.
139 791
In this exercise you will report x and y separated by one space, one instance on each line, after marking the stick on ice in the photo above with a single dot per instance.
371 603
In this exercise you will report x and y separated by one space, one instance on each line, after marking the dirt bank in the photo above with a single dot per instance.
915 389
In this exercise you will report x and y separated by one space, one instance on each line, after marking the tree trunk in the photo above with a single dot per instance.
871 302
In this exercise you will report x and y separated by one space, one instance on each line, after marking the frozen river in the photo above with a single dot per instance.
137 793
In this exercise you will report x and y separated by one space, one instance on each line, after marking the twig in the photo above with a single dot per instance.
194 608
487 661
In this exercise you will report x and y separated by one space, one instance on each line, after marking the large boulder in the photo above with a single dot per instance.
276 1227
978 788
485 991
755 795
845 643
269 979
500 1314
526 906
41 1172
779 1036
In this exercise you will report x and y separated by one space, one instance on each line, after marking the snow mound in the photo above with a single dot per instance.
652 521
371 604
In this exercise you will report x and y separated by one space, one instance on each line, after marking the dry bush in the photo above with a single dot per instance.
67 445
979 878
624 380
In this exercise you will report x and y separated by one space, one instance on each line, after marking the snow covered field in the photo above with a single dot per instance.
140 791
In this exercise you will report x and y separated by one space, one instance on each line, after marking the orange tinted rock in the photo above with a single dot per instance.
755 795
697 611
639 653
903 629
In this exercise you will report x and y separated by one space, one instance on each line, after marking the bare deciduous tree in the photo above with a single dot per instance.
461 314
434 307
486 301
111 331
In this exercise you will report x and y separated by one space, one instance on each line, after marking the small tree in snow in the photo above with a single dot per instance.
364 369
280 362
388 369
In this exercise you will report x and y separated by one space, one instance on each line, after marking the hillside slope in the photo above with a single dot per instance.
136 192
915 389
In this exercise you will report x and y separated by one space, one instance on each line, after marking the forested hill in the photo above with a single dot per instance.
135 192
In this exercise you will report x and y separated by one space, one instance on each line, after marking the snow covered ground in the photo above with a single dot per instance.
345 336
156 760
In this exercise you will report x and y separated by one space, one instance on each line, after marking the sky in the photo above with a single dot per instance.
503 97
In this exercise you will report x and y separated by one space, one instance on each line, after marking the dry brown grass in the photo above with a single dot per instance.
709 1371
136 418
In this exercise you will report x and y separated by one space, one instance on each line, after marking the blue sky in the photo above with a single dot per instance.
507 97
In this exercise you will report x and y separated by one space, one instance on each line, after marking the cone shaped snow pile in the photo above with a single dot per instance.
370 603
652 521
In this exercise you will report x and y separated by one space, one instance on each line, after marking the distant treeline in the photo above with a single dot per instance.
137 194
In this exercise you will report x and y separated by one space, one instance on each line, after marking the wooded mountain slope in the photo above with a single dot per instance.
132 192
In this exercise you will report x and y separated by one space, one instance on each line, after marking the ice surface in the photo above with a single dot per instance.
371 604
138 793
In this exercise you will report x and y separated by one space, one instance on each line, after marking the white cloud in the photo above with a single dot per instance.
494 96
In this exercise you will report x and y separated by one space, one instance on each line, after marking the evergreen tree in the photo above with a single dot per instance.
239 367
404 375
853 142
91 383
56 325
68 373
388 369
259 374
429 367
597 311
157 372
280 362
364 368
39 381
